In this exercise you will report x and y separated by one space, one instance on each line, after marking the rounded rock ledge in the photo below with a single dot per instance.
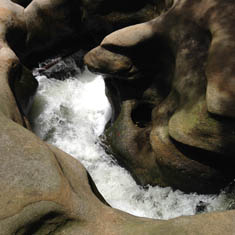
45 191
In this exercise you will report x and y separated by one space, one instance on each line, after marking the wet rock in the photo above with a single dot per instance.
201 207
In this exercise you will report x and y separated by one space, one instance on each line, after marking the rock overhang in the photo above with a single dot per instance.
68 204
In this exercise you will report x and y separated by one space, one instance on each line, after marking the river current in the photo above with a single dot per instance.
71 114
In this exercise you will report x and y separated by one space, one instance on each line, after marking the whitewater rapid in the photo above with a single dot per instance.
72 115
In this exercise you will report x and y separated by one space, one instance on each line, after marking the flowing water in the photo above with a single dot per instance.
71 114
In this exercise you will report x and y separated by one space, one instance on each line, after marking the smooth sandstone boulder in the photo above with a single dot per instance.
100 61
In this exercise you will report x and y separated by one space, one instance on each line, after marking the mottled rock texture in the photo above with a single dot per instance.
176 123
43 190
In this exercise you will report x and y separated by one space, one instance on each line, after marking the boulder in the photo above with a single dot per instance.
48 27
185 88
44 190
63 27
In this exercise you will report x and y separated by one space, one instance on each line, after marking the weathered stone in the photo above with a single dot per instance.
192 147
48 25
45 191
131 36
76 24
100 59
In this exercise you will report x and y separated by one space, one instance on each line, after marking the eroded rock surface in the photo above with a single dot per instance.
43 190
189 89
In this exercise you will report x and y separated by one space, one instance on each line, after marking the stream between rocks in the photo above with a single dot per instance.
72 113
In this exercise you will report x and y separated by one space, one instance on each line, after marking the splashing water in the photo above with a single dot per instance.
71 115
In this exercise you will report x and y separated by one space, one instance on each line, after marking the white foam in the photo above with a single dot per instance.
71 115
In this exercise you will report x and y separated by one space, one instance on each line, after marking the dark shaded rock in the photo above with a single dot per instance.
201 207
64 26
62 68
24 90
23 3
56 24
